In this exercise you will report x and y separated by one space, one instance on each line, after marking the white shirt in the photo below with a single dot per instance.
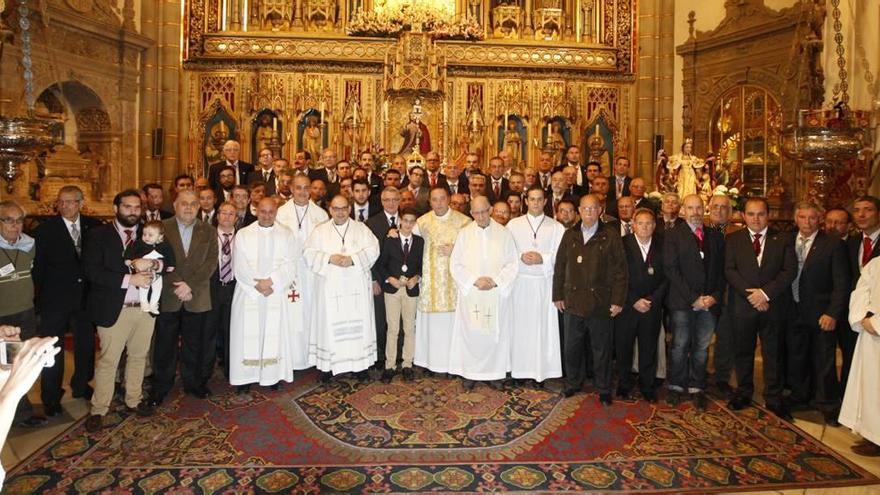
644 248
389 215
807 244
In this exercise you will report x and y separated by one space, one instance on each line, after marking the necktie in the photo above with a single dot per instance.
799 248
544 181
453 188
433 180
74 234
393 222
129 237
406 248
226 258
496 188
867 247
619 187
670 225
699 235
361 214
627 228
756 245
266 175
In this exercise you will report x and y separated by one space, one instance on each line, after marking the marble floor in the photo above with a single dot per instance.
23 442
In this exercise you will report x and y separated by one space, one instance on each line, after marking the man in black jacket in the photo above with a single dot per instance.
114 306
61 288
380 225
231 152
693 257
760 266
820 295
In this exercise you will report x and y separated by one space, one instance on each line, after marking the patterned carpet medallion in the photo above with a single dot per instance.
429 435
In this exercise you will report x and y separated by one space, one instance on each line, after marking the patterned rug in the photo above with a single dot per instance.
429 435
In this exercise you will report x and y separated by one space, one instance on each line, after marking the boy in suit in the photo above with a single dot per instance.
399 267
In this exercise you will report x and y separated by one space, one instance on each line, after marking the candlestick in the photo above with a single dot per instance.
322 112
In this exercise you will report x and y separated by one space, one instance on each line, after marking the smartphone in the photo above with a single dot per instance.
9 351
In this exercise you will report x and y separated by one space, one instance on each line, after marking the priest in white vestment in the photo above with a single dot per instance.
264 260
535 348
301 215
484 267
340 253
861 401
439 228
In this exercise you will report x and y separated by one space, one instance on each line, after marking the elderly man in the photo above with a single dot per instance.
483 265
231 153
459 203
535 349
61 288
589 286
439 228
301 216
327 169
340 253
261 329
266 172
456 182
668 219
637 189
186 299
500 211
477 185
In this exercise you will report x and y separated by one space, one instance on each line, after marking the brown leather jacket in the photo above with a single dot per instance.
590 277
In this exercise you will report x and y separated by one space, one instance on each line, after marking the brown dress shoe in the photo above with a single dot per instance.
867 450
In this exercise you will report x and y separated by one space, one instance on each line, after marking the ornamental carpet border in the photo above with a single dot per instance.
431 435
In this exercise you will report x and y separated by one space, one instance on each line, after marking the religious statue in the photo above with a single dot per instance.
599 152
512 142
665 178
266 133
689 169
312 138
556 141
415 133
216 139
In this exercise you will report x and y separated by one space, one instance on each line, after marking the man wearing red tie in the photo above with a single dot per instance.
760 266
432 164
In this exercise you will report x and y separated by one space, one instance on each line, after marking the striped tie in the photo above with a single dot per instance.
226 259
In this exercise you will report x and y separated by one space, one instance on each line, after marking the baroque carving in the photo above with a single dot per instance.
92 120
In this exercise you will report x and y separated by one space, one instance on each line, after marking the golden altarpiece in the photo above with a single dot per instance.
464 75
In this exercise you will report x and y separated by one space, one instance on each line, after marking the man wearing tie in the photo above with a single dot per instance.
60 283
760 266
545 170
362 207
231 152
266 172
222 284
821 295
670 206
621 179
432 164
153 208
208 206
383 225
498 186
455 181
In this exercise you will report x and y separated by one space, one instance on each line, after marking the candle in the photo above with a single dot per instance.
549 130
223 128
275 124
505 119
223 9
474 119
597 129
322 112
355 116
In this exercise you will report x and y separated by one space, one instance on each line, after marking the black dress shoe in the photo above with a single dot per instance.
468 384
724 388
623 394
242 389
673 398
205 390
85 393
388 374
51 410
569 392
831 419
650 396
605 399
144 409
699 400
195 392
33 422
408 374
326 376
738 403
362 376
781 411
94 423
276 387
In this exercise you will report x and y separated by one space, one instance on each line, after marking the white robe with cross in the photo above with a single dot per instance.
535 348
861 401
260 329
302 221
343 324
480 347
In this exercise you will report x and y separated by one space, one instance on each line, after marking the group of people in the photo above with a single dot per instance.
490 275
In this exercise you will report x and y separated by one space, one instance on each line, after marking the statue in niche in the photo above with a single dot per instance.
475 10
556 141
664 177
415 132
216 139
599 152
266 134
689 169
513 142
312 138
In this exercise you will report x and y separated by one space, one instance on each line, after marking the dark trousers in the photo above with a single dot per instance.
217 322
812 365
746 333
381 328
197 351
629 326
27 321
54 322
846 339
588 336
724 348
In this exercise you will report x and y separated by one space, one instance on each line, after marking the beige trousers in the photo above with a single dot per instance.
397 305
132 332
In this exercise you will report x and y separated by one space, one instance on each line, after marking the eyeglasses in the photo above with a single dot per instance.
12 221
591 208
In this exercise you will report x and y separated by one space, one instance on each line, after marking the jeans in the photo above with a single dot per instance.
690 349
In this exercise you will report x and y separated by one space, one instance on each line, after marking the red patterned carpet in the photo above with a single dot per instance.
429 435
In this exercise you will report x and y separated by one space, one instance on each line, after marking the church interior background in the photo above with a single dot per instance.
142 91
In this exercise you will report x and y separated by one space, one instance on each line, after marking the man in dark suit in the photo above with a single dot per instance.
820 295
862 247
266 172
545 170
419 190
222 284
155 196
241 199
114 306
620 181
454 180
327 171
637 189
572 158
186 298
226 181
363 204
590 286
60 293
373 179
380 225
724 350
497 186
760 266
556 194
693 257
208 206
668 218
640 319
433 177
231 153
